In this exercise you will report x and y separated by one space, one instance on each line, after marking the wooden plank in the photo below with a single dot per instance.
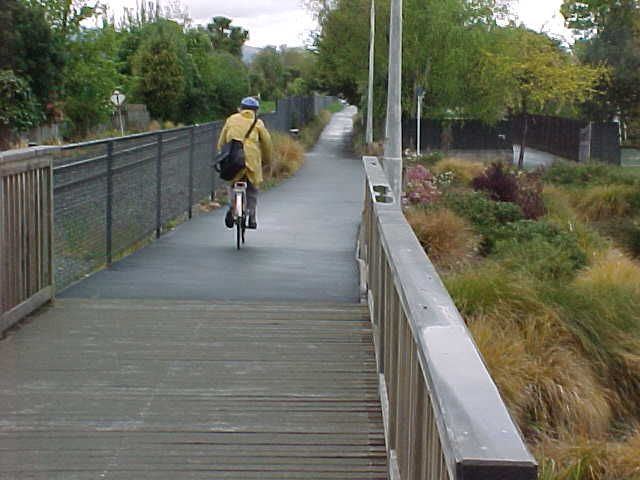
17 313
13 241
10 167
140 389
49 208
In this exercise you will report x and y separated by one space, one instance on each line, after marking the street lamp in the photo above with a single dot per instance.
372 35
393 140
420 94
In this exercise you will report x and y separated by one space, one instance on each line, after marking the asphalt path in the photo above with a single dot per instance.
535 158
303 250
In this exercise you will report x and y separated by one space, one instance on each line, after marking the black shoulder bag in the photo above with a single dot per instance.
230 161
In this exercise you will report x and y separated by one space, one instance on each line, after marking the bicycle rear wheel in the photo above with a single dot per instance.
239 232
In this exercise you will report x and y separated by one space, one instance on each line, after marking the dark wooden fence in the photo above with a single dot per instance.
577 140
464 135
562 137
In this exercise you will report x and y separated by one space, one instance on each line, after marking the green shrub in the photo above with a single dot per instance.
580 174
483 213
544 259
335 107
490 288
430 159
561 214
537 248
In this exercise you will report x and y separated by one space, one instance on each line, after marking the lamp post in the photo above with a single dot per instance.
372 35
393 140
420 95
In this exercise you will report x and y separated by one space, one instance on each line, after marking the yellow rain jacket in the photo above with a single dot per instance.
256 148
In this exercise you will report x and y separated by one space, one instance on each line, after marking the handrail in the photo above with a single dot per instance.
444 417
26 226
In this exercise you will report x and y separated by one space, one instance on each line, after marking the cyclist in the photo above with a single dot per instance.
257 148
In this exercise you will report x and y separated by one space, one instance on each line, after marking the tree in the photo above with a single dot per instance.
65 16
29 49
300 70
225 37
342 43
611 36
587 16
90 78
219 80
7 34
38 53
160 70
268 74
231 83
18 108
531 73
442 41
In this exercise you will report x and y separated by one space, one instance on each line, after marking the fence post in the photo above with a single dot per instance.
159 187
109 212
191 148
584 151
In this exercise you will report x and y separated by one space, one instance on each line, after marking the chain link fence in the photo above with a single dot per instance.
111 195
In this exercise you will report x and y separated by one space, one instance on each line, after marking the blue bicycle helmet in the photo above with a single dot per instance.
250 103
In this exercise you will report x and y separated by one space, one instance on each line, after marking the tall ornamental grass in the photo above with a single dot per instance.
553 302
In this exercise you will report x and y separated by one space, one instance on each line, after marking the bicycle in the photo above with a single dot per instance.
239 205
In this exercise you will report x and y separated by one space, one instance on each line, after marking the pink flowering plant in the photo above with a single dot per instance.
420 186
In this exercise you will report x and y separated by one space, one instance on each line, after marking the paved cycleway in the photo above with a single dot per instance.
303 249
191 360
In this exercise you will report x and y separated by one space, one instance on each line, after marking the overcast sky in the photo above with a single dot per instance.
278 22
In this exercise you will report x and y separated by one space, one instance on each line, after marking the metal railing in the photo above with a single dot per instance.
26 223
109 195
444 417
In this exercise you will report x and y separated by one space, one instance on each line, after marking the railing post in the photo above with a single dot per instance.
191 148
4 254
50 231
213 170
159 187
109 213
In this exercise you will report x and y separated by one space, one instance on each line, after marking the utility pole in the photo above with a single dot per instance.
372 36
420 95
393 141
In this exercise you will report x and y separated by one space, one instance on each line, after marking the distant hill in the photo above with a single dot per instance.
248 53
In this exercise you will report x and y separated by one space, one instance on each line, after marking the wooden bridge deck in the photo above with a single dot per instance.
131 389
